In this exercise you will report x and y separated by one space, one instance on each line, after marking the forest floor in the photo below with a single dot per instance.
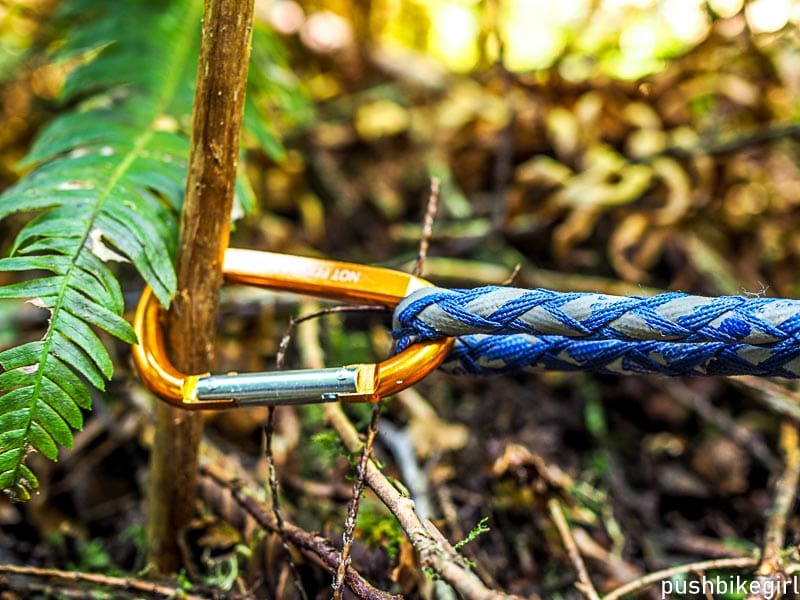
687 180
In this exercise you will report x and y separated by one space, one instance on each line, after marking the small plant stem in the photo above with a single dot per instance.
433 549
217 117
127 584
744 562
584 584
427 227
283 346
352 511
358 486
785 495
314 547
274 488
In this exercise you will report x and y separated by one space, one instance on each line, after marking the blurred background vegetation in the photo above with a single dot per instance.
623 146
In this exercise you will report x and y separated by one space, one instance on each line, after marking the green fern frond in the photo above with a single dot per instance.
107 180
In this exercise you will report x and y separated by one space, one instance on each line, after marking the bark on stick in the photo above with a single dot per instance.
217 118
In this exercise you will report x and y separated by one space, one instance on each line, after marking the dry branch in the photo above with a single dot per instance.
744 562
434 550
366 451
427 227
785 494
314 547
122 584
584 583
274 488
348 537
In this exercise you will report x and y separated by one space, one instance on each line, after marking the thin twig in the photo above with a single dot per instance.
584 584
785 402
295 321
313 547
512 278
434 551
372 432
503 168
352 510
427 226
785 494
273 477
274 488
358 485
127 584
366 451
718 563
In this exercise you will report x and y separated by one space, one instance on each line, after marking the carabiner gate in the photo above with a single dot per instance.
317 277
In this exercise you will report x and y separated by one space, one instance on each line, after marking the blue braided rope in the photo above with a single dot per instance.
499 354
505 330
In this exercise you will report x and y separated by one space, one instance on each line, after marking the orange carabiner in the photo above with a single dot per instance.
317 277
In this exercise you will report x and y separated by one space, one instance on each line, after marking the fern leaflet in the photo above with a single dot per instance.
108 181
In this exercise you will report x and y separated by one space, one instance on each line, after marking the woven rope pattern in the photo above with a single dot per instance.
504 330
498 354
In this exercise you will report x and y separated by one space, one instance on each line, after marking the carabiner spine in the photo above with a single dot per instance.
324 278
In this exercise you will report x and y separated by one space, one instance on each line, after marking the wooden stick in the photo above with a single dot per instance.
127 584
313 546
217 117
584 584
427 226
744 562
348 537
785 493
433 549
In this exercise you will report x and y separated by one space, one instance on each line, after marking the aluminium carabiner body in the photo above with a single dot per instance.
317 277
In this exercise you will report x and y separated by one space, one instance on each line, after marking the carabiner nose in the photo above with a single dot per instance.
323 278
